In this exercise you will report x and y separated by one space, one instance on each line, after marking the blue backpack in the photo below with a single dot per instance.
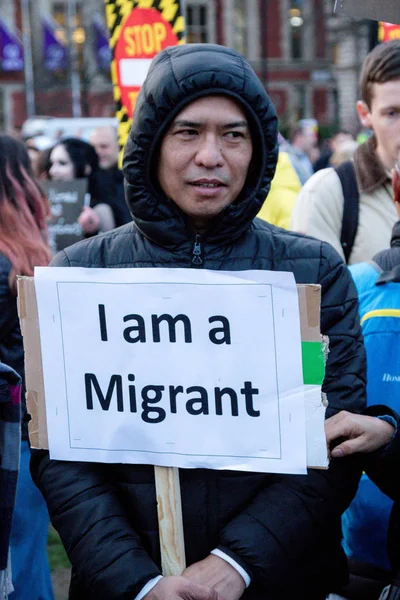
365 523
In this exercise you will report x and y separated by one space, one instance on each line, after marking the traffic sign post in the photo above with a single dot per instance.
139 29
144 33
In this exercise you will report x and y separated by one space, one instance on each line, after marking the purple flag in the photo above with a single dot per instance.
102 47
55 54
11 50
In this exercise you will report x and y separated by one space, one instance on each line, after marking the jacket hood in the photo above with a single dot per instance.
395 241
177 76
389 260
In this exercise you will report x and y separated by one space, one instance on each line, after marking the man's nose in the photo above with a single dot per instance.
209 153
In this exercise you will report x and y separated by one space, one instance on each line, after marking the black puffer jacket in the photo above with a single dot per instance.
11 346
284 530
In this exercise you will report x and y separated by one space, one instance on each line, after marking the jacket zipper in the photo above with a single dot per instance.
197 252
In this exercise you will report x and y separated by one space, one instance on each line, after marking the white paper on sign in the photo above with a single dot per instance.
173 367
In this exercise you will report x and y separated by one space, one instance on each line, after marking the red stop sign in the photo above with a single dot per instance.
143 33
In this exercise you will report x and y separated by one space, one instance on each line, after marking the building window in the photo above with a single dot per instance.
296 28
60 16
300 101
196 23
239 27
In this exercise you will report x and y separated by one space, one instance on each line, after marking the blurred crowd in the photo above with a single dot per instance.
24 214
338 190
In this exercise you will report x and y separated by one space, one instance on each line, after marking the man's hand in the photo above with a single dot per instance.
180 588
218 574
88 220
361 433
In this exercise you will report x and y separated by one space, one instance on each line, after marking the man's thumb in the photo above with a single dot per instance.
202 592
346 448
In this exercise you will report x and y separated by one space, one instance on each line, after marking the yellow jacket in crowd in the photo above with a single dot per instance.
285 187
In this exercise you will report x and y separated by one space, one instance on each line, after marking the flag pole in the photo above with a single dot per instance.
75 78
28 61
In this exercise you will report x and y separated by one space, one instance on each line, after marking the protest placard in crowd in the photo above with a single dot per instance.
66 199
159 366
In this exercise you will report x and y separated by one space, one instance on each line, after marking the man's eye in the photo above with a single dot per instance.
234 135
187 132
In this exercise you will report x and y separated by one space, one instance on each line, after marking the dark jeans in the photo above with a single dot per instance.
30 528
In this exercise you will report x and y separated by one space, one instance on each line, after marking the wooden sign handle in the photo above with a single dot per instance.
170 523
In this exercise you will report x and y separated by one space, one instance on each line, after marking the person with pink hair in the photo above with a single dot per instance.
23 245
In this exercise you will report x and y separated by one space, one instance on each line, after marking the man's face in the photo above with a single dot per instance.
383 117
105 143
308 140
205 157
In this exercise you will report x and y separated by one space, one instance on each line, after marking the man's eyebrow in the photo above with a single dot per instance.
235 124
184 123
197 124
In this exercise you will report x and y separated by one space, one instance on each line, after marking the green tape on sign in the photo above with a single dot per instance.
313 363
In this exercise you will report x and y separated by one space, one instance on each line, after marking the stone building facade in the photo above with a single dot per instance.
308 59
351 41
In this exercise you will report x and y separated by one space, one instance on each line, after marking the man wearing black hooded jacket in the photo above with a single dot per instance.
198 165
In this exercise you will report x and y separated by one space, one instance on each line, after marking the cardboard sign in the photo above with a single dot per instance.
168 371
67 199
384 10
139 29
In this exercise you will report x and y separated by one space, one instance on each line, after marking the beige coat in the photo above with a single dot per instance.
318 210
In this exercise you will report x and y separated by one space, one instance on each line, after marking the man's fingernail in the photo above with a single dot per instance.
337 453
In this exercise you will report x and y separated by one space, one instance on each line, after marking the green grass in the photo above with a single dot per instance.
56 553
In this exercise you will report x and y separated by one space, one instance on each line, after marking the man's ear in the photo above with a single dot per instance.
396 189
364 114
88 170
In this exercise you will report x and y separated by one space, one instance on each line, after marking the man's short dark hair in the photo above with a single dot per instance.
382 64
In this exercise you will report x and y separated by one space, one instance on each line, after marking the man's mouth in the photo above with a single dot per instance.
205 183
